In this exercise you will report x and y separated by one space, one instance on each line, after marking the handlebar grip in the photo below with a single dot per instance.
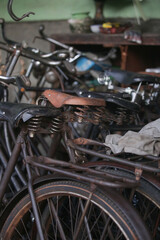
23 83
26 80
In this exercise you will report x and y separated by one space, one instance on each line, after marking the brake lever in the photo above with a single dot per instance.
13 16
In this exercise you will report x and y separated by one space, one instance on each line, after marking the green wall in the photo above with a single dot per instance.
62 9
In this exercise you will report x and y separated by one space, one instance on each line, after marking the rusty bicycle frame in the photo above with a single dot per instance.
70 169
51 165
65 169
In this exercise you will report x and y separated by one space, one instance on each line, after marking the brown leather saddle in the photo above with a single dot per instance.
58 99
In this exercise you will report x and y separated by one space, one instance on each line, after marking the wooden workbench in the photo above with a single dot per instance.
134 57
107 40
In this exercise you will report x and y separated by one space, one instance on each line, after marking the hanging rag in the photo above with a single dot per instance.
144 142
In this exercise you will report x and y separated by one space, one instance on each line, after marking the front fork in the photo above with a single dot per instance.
26 148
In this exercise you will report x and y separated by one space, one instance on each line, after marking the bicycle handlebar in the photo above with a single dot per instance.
29 53
21 81
45 37
70 49
13 16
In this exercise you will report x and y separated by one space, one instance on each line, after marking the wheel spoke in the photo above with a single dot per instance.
71 217
25 230
59 226
82 217
156 225
53 225
103 235
77 215
111 237
69 210
97 220
86 223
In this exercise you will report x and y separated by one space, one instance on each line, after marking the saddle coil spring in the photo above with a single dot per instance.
56 125
124 117
98 114
34 125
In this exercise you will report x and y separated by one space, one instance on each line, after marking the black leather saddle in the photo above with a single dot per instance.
112 98
13 112
127 77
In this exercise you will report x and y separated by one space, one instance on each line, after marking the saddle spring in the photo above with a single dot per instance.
34 125
81 113
98 114
56 125
89 114
124 117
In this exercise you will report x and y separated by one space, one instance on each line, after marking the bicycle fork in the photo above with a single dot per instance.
32 195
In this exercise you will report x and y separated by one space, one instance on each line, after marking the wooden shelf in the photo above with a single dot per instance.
107 40
133 56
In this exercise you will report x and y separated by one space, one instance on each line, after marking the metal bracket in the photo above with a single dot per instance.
138 173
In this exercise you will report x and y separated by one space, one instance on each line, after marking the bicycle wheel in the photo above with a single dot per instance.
145 199
69 210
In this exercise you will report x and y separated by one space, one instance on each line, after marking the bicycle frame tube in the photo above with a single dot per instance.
116 159
13 62
11 164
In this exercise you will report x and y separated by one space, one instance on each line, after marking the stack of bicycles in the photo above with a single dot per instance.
59 177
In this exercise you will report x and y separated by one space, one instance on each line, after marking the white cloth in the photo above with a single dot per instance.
144 142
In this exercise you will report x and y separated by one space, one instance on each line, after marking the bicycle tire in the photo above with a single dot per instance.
145 198
114 217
